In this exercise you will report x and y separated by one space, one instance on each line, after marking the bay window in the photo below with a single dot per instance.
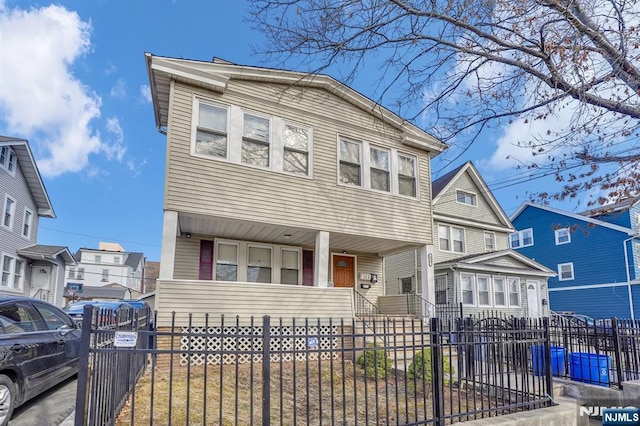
483 291
499 293
467 286
514 292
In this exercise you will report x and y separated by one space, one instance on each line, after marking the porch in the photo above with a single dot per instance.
244 299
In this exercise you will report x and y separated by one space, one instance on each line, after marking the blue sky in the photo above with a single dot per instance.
73 82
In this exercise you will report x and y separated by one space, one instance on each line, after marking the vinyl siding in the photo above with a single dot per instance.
246 300
209 187
10 241
398 266
482 212
599 302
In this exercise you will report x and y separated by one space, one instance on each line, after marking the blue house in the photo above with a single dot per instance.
594 253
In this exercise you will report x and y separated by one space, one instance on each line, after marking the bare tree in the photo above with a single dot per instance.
459 67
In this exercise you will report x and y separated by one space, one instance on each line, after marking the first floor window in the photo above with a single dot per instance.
514 292
441 289
499 292
565 271
466 284
227 262
483 290
12 273
290 267
259 265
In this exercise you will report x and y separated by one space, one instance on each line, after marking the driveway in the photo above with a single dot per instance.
49 408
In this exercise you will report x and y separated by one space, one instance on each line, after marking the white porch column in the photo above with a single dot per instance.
168 251
321 263
427 277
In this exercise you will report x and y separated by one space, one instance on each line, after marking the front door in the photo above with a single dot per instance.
533 299
40 279
344 271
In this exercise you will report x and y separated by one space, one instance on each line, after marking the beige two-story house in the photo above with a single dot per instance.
474 268
283 192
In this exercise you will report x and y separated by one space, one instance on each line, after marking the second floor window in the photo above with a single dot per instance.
9 212
350 163
211 131
255 140
489 241
563 236
522 238
406 175
105 275
98 258
296 150
451 238
72 273
26 223
379 169
80 275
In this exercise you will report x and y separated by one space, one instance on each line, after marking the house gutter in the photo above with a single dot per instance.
626 264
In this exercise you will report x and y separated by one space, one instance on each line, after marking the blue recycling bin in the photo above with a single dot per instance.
589 368
539 360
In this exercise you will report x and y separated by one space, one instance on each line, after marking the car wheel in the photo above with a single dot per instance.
7 399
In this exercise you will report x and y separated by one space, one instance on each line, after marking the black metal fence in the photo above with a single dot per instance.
603 352
264 371
113 355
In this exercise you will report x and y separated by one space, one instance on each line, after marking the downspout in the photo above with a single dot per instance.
626 264
416 268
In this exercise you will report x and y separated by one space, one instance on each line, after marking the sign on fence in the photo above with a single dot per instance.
125 339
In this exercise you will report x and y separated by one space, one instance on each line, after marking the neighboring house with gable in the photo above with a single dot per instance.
596 258
106 272
473 264
28 268
283 191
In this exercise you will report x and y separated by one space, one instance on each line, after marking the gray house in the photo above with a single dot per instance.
28 269
473 264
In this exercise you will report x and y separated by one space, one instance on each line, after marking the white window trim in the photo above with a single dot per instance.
560 265
13 213
484 236
508 290
488 278
235 132
5 165
473 289
520 235
243 260
12 273
557 235
464 239
475 197
24 218
365 168
505 291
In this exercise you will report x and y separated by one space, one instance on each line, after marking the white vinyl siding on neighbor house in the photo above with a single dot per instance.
27 223
370 167
522 238
12 273
264 141
451 238
9 212
563 236
565 271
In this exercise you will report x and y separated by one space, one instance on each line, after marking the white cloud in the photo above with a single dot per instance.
145 92
116 149
40 98
119 90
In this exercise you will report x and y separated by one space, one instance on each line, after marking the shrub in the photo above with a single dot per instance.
375 361
420 368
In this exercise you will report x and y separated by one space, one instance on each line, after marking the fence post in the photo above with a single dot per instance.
82 391
266 370
548 365
437 373
616 348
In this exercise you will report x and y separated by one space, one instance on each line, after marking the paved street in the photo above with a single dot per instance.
49 409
